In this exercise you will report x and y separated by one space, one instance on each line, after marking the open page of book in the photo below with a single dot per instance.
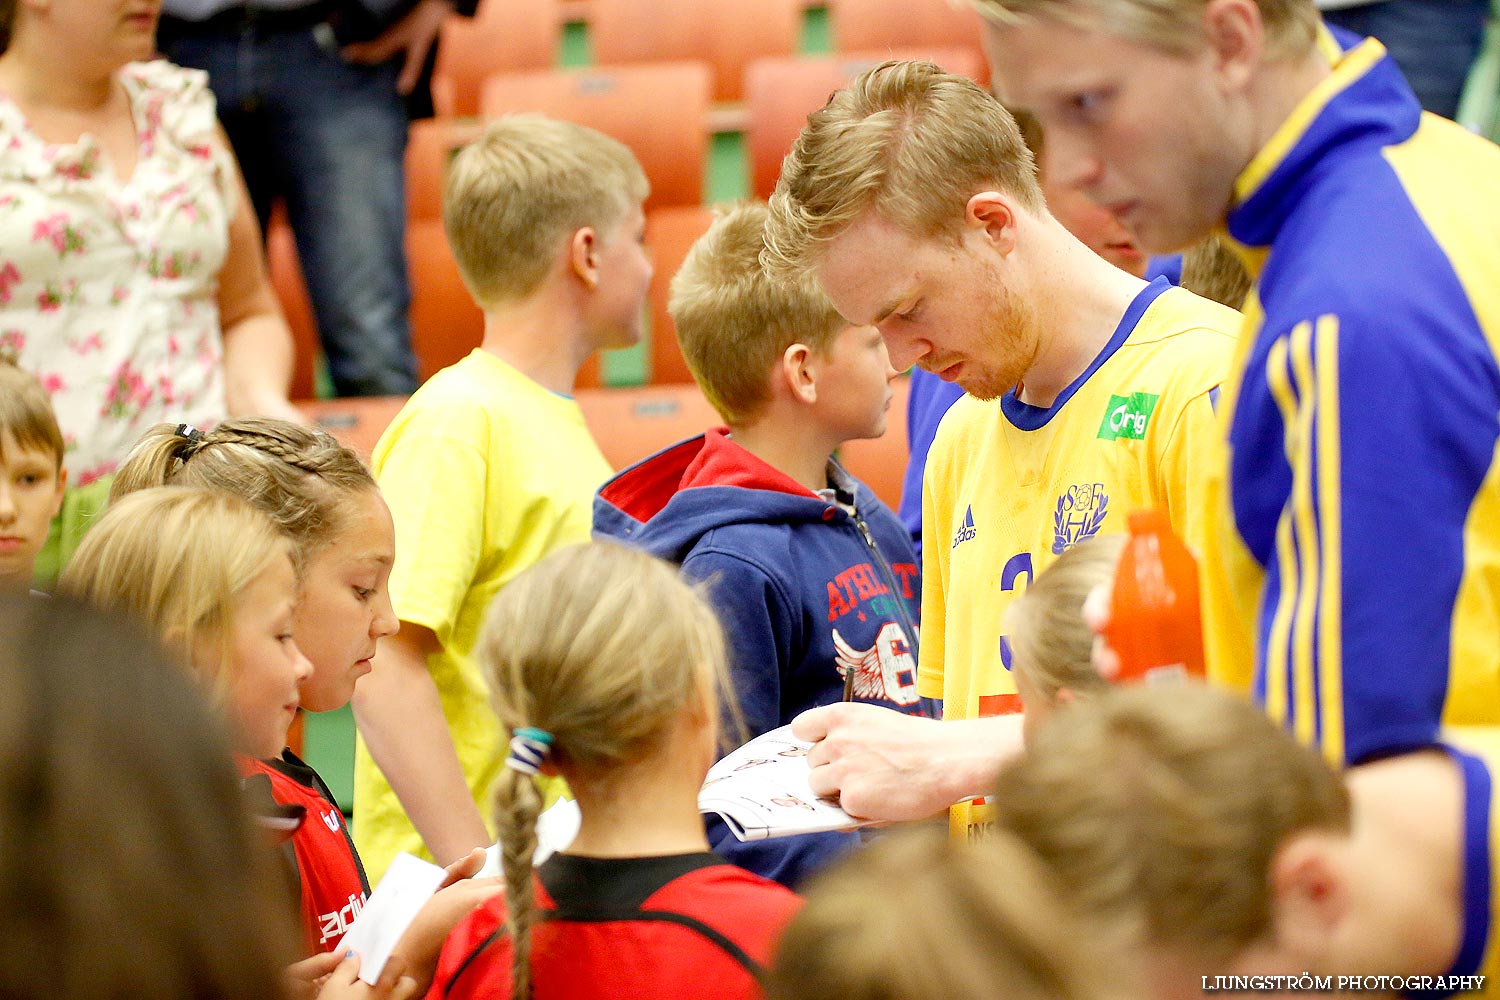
408 883
762 791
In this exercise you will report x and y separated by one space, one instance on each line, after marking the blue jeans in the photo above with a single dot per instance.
330 138
1433 41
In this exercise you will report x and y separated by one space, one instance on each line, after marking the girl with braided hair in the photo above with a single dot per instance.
321 496
608 670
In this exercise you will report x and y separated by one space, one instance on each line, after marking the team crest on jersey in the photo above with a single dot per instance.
886 670
1080 514
966 530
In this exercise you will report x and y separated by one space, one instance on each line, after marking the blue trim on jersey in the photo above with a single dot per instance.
1478 792
1027 417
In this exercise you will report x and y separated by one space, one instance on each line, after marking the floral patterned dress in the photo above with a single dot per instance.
108 289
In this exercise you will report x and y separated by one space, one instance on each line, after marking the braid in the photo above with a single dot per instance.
302 478
517 805
264 440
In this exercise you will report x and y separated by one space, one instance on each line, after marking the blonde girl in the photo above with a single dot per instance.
607 668
1050 642
324 500
920 916
214 579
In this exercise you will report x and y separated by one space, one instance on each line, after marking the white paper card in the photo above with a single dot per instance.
555 830
408 884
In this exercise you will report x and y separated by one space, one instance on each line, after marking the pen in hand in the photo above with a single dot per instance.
848 683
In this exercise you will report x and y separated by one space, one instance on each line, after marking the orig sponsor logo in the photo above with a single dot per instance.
1127 416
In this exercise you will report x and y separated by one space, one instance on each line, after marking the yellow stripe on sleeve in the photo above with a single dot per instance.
1300 453
1330 509
1277 704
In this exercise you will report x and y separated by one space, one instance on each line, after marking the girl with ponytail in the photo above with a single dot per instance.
608 670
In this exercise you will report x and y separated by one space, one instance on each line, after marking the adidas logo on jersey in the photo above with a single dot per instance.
966 530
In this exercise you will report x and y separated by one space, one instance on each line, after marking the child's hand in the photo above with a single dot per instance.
465 867
303 978
422 942
344 982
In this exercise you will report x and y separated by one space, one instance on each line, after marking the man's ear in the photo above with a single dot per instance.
583 256
1236 40
798 371
995 214
1310 894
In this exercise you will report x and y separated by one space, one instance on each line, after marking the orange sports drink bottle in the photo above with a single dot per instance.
1155 627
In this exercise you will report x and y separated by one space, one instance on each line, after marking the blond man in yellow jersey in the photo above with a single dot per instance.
914 202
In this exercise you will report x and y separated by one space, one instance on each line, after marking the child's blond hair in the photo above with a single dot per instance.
906 140
1210 269
26 413
175 559
515 195
734 321
1051 645
918 915
604 648
1160 808
303 479
1169 25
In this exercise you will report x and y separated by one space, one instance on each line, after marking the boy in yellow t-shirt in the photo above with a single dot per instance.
490 466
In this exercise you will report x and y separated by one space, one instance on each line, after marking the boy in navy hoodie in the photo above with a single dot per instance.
812 576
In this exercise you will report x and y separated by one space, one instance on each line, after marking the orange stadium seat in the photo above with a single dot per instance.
445 322
670 233
859 25
726 33
781 93
630 424
286 279
659 110
430 146
504 36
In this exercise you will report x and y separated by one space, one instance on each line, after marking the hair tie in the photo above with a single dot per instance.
529 749
190 432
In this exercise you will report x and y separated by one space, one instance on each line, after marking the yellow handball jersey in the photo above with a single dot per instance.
1010 486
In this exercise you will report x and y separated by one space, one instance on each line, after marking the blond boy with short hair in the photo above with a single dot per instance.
814 578
32 477
1216 846
490 466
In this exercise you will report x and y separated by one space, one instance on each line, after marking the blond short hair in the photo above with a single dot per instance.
1173 26
1051 645
1211 269
176 558
734 320
515 195
604 647
906 140
1160 809
919 916
26 412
